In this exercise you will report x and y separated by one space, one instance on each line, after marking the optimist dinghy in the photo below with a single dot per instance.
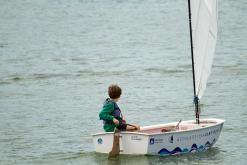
163 139
186 136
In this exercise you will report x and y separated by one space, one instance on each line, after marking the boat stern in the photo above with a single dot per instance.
133 143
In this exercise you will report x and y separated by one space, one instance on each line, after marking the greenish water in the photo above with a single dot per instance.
57 59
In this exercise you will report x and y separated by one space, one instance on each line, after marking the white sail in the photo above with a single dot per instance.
204 16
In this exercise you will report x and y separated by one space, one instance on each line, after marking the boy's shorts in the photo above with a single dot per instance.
122 127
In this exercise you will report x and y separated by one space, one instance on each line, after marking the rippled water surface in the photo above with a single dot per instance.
57 58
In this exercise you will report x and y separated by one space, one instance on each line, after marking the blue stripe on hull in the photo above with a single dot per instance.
193 148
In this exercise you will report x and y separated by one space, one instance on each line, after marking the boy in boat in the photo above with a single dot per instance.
111 113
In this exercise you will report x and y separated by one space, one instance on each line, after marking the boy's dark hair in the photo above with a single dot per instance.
114 91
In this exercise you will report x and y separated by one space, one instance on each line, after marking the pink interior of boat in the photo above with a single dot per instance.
169 128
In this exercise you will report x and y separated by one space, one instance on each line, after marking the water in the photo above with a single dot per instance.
57 59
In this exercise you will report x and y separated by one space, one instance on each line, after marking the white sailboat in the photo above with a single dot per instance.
186 136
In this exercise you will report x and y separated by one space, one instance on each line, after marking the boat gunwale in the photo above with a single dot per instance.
218 122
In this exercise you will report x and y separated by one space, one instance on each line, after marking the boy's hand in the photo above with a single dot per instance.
115 121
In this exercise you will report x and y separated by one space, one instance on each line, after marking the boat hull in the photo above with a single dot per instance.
153 140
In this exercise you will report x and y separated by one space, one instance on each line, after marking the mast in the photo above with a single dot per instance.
196 99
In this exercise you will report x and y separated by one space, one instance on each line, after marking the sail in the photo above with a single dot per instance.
204 16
